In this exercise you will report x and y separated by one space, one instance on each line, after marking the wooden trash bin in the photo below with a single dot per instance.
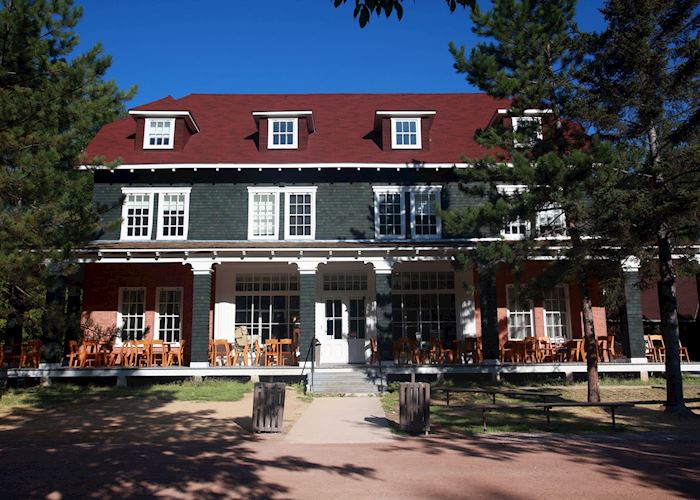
268 407
414 407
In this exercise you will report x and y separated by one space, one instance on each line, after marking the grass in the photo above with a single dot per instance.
458 420
59 394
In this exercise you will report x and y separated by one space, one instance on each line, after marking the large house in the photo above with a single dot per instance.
274 212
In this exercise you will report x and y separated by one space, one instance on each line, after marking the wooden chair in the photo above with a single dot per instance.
285 349
143 353
682 350
399 352
159 353
272 354
546 351
513 351
176 352
87 355
373 351
413 351
529 350
658 348
574 350
72 355
30 354
220 351
258 353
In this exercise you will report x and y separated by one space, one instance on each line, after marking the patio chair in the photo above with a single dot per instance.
176 352
220 351
72 355
143 353
682 350
399 352
258 353
529 350
286 353
574 351
272 354
658 348
30 354
546 351
87 354
159 353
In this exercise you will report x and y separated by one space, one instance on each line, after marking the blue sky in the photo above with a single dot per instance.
179 47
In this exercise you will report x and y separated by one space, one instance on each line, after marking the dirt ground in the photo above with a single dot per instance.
128 448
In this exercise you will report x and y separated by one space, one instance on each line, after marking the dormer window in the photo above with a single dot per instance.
405 133
282 133
159 133
531 126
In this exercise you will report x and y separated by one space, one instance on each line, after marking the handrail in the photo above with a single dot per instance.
311 351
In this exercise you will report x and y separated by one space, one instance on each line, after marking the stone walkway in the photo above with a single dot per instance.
341 420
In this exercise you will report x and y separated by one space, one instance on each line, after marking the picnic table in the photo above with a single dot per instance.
493 391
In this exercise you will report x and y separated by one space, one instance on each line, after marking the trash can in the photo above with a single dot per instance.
268 407
414 407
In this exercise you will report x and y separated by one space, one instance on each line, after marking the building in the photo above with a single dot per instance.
268 211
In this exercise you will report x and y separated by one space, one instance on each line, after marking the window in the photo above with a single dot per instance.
158 133
282 133
358 321
389 213
520 320
406 133
425 224
551 222
423 305
132 318
173 214
531 126
136 215
267 304
169 314
556 312
263 213
334 318
300 214
344 282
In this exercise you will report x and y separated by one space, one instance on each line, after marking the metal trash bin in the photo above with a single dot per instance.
414 407
268 407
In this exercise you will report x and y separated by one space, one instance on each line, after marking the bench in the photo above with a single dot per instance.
547 407
494 391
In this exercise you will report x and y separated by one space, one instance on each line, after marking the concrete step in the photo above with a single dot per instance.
354 382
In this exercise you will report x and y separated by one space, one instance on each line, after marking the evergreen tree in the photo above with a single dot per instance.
528 56
642 83
52 102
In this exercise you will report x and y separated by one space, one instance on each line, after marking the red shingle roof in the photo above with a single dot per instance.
342 122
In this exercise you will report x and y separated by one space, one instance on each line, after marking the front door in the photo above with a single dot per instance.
344 338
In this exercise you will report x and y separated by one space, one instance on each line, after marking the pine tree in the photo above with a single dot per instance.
528 56
52 102
642 83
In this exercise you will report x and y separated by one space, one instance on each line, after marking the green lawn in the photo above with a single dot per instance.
63 393
459 420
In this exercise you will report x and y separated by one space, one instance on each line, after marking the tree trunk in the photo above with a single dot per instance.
590 343
669 328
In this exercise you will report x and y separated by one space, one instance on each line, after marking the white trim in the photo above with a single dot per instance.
438 220
289 190
283 114
156 190
279 166
252 191
156 317
121 289
125 207
184 114
510 288
412 114
419 140
295 133
538 130
159 221
171 137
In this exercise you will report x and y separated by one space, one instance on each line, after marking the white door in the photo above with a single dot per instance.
344 333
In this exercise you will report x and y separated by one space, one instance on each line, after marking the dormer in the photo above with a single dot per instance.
163 130
404 130
283 130
528 122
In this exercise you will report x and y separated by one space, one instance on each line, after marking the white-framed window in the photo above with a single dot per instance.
300 213
282 133
425 223
406 133
131 317
168 314
137 212
389 212
345 298
520 314
532 125
173 214
551 222
263 213
556 312
158 133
